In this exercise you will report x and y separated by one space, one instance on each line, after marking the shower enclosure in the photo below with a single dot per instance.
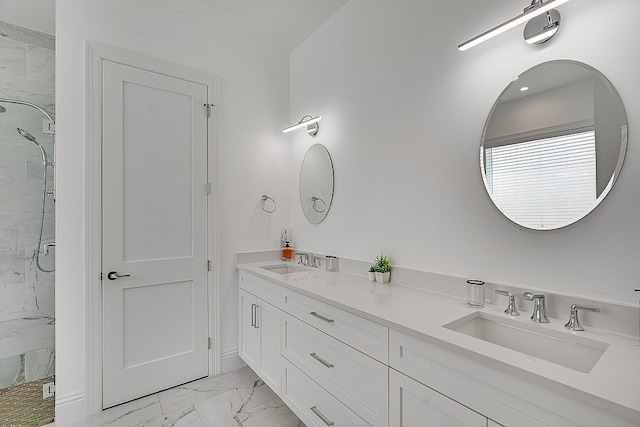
27 206
27 244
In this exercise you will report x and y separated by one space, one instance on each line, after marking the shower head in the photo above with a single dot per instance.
23 133
26 135
2 109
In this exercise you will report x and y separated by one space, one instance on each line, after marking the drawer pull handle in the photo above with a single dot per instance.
253 315
321 317
321 416
321 360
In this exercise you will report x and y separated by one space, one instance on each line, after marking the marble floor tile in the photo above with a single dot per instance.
272 413
196 391
136 413
236 399
187 417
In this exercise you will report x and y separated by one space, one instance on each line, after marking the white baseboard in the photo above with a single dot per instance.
70 408
230 361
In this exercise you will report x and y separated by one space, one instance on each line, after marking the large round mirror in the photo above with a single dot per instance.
316 183
553 144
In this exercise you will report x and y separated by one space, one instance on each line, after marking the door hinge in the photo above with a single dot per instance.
207 188
209 343
208 265
207 108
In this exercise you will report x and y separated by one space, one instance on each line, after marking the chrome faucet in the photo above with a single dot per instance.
511 308
304 258
316 261
573 322
539 309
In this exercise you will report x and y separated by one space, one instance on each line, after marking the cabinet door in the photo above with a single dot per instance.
412 404
249 342
268 323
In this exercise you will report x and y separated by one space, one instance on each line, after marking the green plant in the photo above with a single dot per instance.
381 264
372 268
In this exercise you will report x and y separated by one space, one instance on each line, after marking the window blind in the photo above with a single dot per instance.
544 183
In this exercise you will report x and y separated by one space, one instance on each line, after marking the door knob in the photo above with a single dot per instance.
113 275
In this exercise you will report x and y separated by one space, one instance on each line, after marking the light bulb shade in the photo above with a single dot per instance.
302 123
530 13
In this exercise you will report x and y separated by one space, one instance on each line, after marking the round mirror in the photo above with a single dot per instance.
553 144
316 183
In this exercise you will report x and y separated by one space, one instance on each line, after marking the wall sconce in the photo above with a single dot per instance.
542 28
535 33
311 123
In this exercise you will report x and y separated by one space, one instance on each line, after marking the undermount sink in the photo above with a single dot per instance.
284 268
562 348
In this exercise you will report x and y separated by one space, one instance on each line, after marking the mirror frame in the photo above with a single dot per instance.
622 117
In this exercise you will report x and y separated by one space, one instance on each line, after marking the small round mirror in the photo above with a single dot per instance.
316 183
553 145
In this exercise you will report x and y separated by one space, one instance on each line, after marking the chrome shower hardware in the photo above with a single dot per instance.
49 125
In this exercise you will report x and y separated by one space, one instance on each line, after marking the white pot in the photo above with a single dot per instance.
372 276
383 277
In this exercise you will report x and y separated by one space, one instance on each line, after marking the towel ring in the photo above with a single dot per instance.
263 202
323 205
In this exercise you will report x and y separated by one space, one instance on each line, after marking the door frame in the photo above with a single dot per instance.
96 53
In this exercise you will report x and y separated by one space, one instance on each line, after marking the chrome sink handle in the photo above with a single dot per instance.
511 308
574 323
304 258
539 314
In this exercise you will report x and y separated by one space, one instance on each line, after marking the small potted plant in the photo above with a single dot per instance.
372 273
382 268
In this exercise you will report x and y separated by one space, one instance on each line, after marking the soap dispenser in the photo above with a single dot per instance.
287 250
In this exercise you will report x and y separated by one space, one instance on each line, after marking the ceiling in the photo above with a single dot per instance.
282 24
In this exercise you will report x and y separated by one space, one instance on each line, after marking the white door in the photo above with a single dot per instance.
154 232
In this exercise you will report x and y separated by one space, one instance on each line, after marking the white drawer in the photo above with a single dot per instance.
357 380
263 289
362 334
313 404
443 370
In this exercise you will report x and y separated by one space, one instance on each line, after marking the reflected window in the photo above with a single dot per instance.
544 183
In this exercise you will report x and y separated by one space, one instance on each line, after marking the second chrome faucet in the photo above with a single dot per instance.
539 314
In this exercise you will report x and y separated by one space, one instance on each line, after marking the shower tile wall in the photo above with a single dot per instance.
26 294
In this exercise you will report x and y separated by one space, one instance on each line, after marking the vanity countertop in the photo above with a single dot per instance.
614 378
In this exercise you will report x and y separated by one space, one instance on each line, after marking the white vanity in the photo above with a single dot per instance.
342 351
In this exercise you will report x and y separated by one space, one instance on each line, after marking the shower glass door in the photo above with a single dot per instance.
27 249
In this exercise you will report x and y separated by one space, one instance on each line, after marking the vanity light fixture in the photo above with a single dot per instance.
542 28
537 8
311 123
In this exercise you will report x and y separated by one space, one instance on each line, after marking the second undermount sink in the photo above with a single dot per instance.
562 348
284 268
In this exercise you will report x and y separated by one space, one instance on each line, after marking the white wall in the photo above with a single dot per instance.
402 116
254 102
